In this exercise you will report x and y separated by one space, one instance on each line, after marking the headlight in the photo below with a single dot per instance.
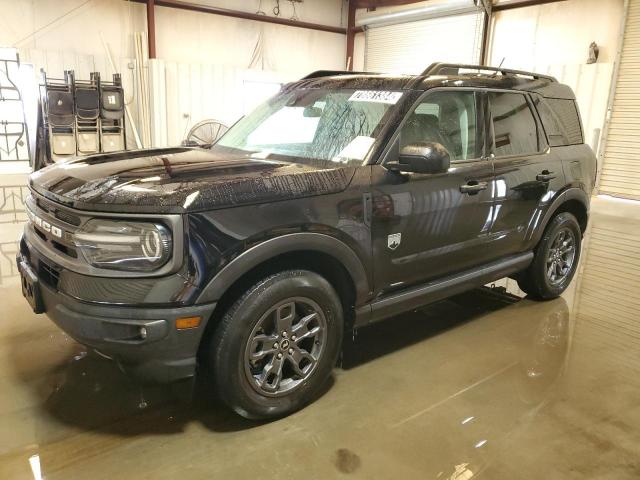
123 245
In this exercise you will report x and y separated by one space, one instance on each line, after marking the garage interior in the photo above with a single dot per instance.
486 384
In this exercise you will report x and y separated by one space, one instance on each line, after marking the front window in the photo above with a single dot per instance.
319 124
448 118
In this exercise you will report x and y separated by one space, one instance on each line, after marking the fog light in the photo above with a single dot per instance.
143 332
185 323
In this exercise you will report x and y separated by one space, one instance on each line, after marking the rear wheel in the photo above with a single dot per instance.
277 344
555 259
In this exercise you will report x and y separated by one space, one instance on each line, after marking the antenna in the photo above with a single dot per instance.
498 67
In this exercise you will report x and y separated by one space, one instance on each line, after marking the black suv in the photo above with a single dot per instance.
343 200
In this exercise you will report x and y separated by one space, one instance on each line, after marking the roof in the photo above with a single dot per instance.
440 75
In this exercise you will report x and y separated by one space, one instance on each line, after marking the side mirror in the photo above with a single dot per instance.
423 157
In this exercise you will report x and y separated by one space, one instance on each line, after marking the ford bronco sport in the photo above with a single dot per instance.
345 199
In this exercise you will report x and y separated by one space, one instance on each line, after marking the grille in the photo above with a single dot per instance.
67 217
67 250
59 213
42 205
48 274
48 211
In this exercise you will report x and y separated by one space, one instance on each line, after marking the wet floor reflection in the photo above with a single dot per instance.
84 393
484 384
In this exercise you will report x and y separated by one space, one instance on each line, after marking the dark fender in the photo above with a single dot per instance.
287 244
573 193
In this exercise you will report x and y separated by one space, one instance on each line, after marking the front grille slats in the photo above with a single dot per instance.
42 205
58 212
69 251
48 274
67 217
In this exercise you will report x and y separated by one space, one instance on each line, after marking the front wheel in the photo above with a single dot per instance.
277 344
555 259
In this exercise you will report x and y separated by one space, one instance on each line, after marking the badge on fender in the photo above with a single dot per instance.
393 240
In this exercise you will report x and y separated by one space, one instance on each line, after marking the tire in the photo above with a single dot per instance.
243 354
542 280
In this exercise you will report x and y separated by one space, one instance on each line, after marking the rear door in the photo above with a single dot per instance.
527 172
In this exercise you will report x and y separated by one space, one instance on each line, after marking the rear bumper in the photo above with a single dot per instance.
142 340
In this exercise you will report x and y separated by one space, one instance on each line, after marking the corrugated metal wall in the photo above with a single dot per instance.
621 167
412 46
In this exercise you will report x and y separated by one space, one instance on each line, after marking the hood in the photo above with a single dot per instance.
176 180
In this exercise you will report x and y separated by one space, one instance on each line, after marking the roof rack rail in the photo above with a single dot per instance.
439 68
330 73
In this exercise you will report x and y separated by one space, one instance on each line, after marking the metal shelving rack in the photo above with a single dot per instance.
14 135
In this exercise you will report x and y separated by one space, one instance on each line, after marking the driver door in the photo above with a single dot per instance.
426 226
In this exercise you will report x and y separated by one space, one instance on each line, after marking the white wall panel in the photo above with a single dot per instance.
555 33
591 85
554 38
194 92
193 37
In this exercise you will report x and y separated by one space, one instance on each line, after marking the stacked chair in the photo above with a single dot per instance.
112 116
79 117
87 101
61 120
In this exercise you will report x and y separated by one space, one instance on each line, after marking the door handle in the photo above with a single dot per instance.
545 176
473 186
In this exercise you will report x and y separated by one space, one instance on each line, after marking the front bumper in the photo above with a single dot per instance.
142 340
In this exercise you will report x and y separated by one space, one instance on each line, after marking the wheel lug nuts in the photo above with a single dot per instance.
279 355
284 334
275 345
291 351
293 337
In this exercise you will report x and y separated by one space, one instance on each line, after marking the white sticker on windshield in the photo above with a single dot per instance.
357 149
376 96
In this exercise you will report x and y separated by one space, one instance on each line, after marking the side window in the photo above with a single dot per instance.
514 126
560 119
445 117
550 122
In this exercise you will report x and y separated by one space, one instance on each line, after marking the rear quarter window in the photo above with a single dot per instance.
560 120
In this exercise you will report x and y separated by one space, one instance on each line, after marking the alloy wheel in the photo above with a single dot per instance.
285 346
561 256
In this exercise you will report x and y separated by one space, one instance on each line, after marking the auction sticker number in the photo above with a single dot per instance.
376 96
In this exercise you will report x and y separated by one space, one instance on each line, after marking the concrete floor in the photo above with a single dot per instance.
486 384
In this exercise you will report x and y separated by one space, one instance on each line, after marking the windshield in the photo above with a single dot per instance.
334 125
